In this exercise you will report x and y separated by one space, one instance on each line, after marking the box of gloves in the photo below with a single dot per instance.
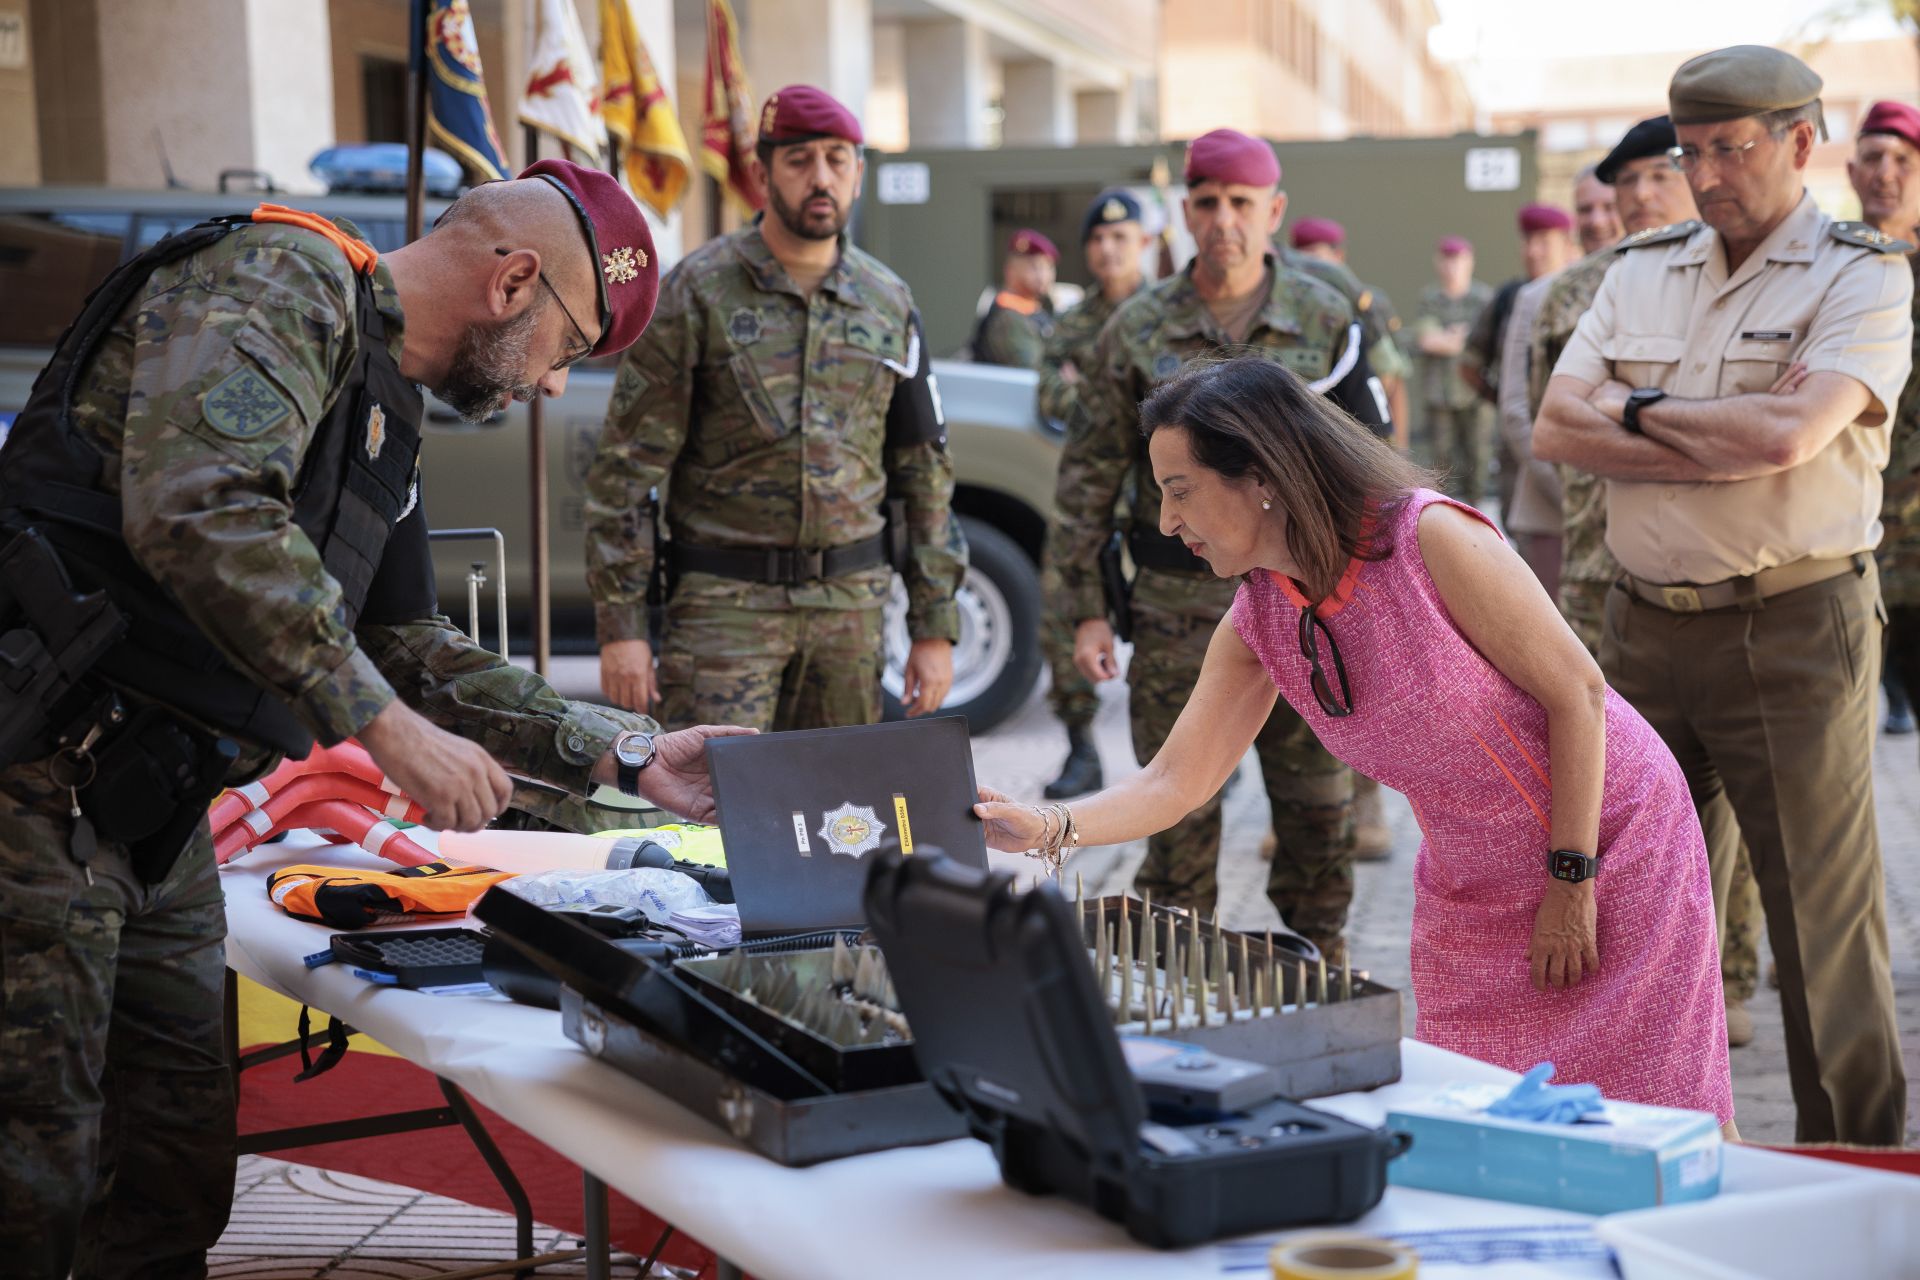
1559 1146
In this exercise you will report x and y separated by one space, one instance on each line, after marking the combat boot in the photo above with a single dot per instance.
1081 773
1371 839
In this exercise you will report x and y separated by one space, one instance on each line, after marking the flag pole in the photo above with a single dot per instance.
416 119
537 498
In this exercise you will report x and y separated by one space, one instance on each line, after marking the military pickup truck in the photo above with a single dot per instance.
56 244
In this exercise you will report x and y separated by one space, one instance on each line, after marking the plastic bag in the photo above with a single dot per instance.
654 890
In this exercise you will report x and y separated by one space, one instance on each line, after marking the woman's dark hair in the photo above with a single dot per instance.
1339 484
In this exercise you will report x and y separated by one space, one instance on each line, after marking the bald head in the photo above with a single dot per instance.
524 214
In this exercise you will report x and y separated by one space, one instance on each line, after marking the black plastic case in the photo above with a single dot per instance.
1009 1027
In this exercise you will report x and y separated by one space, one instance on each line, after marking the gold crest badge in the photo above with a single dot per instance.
1113 211
767 113
376 432
623 264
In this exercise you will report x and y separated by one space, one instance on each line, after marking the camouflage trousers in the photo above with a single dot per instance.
770 668
1311 878
116 1100
1584 605
1071 695
1462 449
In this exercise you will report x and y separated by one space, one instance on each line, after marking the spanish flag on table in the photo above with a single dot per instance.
457 109
563 90
726 117
647 137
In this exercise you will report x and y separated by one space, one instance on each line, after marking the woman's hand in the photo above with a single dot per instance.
1565 945
1011 827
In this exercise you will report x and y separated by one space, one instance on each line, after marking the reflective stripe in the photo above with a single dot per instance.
377 836
258 821
256 793
1343 366
389 786
398 806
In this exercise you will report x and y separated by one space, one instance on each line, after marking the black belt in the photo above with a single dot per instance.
1151 549
781 566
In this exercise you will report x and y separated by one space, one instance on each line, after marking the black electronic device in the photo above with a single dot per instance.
803 813
1181 1082
414 958
1010 1028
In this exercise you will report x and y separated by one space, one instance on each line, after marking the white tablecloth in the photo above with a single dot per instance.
929 1212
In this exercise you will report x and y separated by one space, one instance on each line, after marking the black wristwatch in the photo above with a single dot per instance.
632 752
1638 399
1565 864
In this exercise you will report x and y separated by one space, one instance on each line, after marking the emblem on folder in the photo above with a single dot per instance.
852 829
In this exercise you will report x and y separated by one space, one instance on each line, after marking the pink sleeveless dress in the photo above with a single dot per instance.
1437 722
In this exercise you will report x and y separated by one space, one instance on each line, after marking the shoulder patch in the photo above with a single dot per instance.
1659 235
1867 237
244 405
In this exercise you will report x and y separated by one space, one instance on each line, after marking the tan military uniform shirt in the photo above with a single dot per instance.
1670 315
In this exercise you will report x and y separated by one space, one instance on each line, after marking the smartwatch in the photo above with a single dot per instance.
632 752
1638 399
1565 864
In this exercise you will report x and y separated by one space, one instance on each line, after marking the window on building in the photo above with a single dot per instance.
383 95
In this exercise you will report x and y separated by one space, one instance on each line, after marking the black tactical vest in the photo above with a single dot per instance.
356 499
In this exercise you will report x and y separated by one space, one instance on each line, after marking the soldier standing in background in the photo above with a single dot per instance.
1326 240
1016 325
782 409
1596 211
1113 239
1457 432
1234 293
1885 172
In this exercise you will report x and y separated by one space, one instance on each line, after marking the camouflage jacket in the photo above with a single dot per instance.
1899 552
1017 339
1381 351
1583 497
207 502
1303 326
759 416
1072 343
1390 360
1440 382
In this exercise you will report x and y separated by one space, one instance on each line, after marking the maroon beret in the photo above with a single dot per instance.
1896 118
1309 231
1451 245
1228 155
800 111
1026 240
621 242
1543 217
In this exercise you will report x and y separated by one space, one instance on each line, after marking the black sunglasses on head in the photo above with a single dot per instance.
1312 625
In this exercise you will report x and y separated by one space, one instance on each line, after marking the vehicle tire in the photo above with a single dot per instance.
997 658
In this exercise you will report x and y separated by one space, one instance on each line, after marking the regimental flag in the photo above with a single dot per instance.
563 89
726 116
646 133
457 109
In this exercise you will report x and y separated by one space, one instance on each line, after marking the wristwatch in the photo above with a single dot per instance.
1638 399
1565 864
632 752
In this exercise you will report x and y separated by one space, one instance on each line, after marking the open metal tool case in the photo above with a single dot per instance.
1010 1027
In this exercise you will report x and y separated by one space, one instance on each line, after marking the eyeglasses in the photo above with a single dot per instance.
586 348
1719 155
1312 626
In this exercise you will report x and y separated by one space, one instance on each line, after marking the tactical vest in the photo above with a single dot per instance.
356 499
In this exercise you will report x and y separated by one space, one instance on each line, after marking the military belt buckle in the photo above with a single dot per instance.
1680 599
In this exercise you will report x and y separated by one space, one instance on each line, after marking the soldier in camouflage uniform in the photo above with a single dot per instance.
781 408
1649 193
1235 293
1017 325
1885 172
1114 240
1456 428
230 374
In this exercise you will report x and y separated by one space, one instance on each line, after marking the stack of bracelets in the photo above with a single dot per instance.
1059 836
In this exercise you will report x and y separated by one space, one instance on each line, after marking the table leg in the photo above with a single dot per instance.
502 1172
599 1232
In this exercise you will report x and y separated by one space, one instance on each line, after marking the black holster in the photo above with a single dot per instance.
899 553
51 636
153 782
1116 588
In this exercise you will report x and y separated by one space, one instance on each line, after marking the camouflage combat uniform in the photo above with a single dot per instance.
1304 326
759 415
116 1101
1587 573
1382 351
1899 553
1457 424
1071 697
1013 337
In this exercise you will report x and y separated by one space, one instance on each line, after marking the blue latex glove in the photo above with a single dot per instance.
1536 1100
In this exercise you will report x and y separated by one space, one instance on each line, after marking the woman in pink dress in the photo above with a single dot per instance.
1569 923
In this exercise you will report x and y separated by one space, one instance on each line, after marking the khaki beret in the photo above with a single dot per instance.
1745 80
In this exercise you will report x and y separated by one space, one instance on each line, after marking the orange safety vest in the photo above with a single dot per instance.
351 899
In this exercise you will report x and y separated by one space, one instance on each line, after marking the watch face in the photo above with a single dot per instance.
1569 866
634 749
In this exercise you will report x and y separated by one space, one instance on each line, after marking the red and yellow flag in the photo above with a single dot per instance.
726 116
647 137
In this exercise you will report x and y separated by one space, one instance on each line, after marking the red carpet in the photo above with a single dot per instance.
442 1161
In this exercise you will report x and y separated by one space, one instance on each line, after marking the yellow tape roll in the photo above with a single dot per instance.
1342 1258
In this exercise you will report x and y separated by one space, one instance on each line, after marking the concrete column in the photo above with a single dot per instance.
19 113
827 43
1107 116
1038 105
948 74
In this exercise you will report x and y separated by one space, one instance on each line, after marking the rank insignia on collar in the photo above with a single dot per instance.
376 432
852 829
623 264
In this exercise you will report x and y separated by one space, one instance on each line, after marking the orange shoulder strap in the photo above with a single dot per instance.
361 256
1014 302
